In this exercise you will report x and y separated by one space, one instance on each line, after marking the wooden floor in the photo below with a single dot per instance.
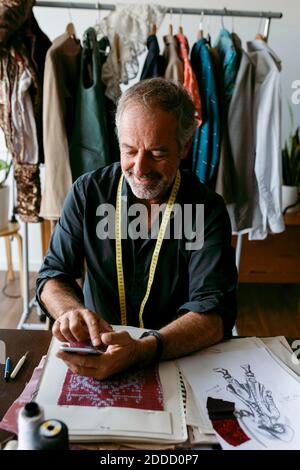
11 308
264 310
269 310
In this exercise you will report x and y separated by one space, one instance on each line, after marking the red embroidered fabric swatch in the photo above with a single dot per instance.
230 430
221 414
141 389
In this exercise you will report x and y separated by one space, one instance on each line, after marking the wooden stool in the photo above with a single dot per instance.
12 230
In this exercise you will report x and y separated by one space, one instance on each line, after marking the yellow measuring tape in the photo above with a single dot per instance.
154 260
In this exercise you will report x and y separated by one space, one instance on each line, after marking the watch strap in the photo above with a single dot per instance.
159 343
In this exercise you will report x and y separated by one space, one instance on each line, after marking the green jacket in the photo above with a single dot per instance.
89 148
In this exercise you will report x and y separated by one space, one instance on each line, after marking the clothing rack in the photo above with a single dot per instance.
267 15
183 11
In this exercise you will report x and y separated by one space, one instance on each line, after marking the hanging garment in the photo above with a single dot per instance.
205 152
25 55
154 65
13 15
60 87
111 74
23 120
27 51
29 191
89 147
174 66
220 181
16 110
110 107
37 45
240 179
189 78
132 24
267 130
229 60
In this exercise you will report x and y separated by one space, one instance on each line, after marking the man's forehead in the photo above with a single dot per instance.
146 114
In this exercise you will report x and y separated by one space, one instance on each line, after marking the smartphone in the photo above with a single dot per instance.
81 349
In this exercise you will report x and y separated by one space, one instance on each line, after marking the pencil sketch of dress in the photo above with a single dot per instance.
260 415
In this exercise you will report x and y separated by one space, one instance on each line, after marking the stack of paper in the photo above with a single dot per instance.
99 423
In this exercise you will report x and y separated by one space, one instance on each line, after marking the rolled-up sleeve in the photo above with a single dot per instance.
64 259
212 271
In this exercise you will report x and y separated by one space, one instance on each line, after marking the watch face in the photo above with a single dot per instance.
13 14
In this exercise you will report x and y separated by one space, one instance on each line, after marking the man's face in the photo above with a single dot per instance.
150 155
13 14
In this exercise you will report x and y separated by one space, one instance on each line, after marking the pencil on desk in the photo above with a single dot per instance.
7 369
18 366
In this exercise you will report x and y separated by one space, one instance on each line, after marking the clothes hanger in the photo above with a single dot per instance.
208 36
71 30
171 25
180 29
70 26
222 19
200 34
98 14
153 29
259 35
100 33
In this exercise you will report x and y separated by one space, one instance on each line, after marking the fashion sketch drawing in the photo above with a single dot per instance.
260 414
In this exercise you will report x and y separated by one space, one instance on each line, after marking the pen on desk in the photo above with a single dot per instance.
7 369
18 366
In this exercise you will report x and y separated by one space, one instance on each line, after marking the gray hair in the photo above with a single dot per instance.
166 95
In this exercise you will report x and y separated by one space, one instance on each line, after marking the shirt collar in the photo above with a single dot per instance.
260 45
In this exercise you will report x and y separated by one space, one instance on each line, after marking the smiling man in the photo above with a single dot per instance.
185 295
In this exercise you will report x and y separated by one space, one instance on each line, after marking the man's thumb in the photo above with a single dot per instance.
115 338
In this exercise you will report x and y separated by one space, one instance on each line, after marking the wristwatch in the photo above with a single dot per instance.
159 343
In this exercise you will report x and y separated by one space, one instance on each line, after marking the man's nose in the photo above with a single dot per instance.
141 164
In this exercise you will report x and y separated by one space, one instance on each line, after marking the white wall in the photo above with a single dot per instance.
284 39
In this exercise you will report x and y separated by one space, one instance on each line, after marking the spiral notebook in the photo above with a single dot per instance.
148 406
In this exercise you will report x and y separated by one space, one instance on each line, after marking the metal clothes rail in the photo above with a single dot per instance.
183 11
267 15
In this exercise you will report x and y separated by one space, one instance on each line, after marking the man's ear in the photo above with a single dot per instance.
186 149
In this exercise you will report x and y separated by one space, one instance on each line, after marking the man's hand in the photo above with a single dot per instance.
79 325
122 352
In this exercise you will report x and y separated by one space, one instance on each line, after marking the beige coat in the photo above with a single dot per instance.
174 66
60 83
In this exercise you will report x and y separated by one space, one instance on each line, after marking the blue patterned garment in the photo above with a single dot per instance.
230 60
206 146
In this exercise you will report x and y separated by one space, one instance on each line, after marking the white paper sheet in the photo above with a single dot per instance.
281 350
194 415
266 397
231 345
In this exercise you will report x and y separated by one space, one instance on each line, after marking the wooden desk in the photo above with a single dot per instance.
37 343
275 259
17 343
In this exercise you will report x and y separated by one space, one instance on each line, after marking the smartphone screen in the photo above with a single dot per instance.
83 348
77 349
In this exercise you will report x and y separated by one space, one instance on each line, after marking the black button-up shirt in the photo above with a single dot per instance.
202 280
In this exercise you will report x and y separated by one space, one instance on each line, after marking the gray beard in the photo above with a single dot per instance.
146 193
